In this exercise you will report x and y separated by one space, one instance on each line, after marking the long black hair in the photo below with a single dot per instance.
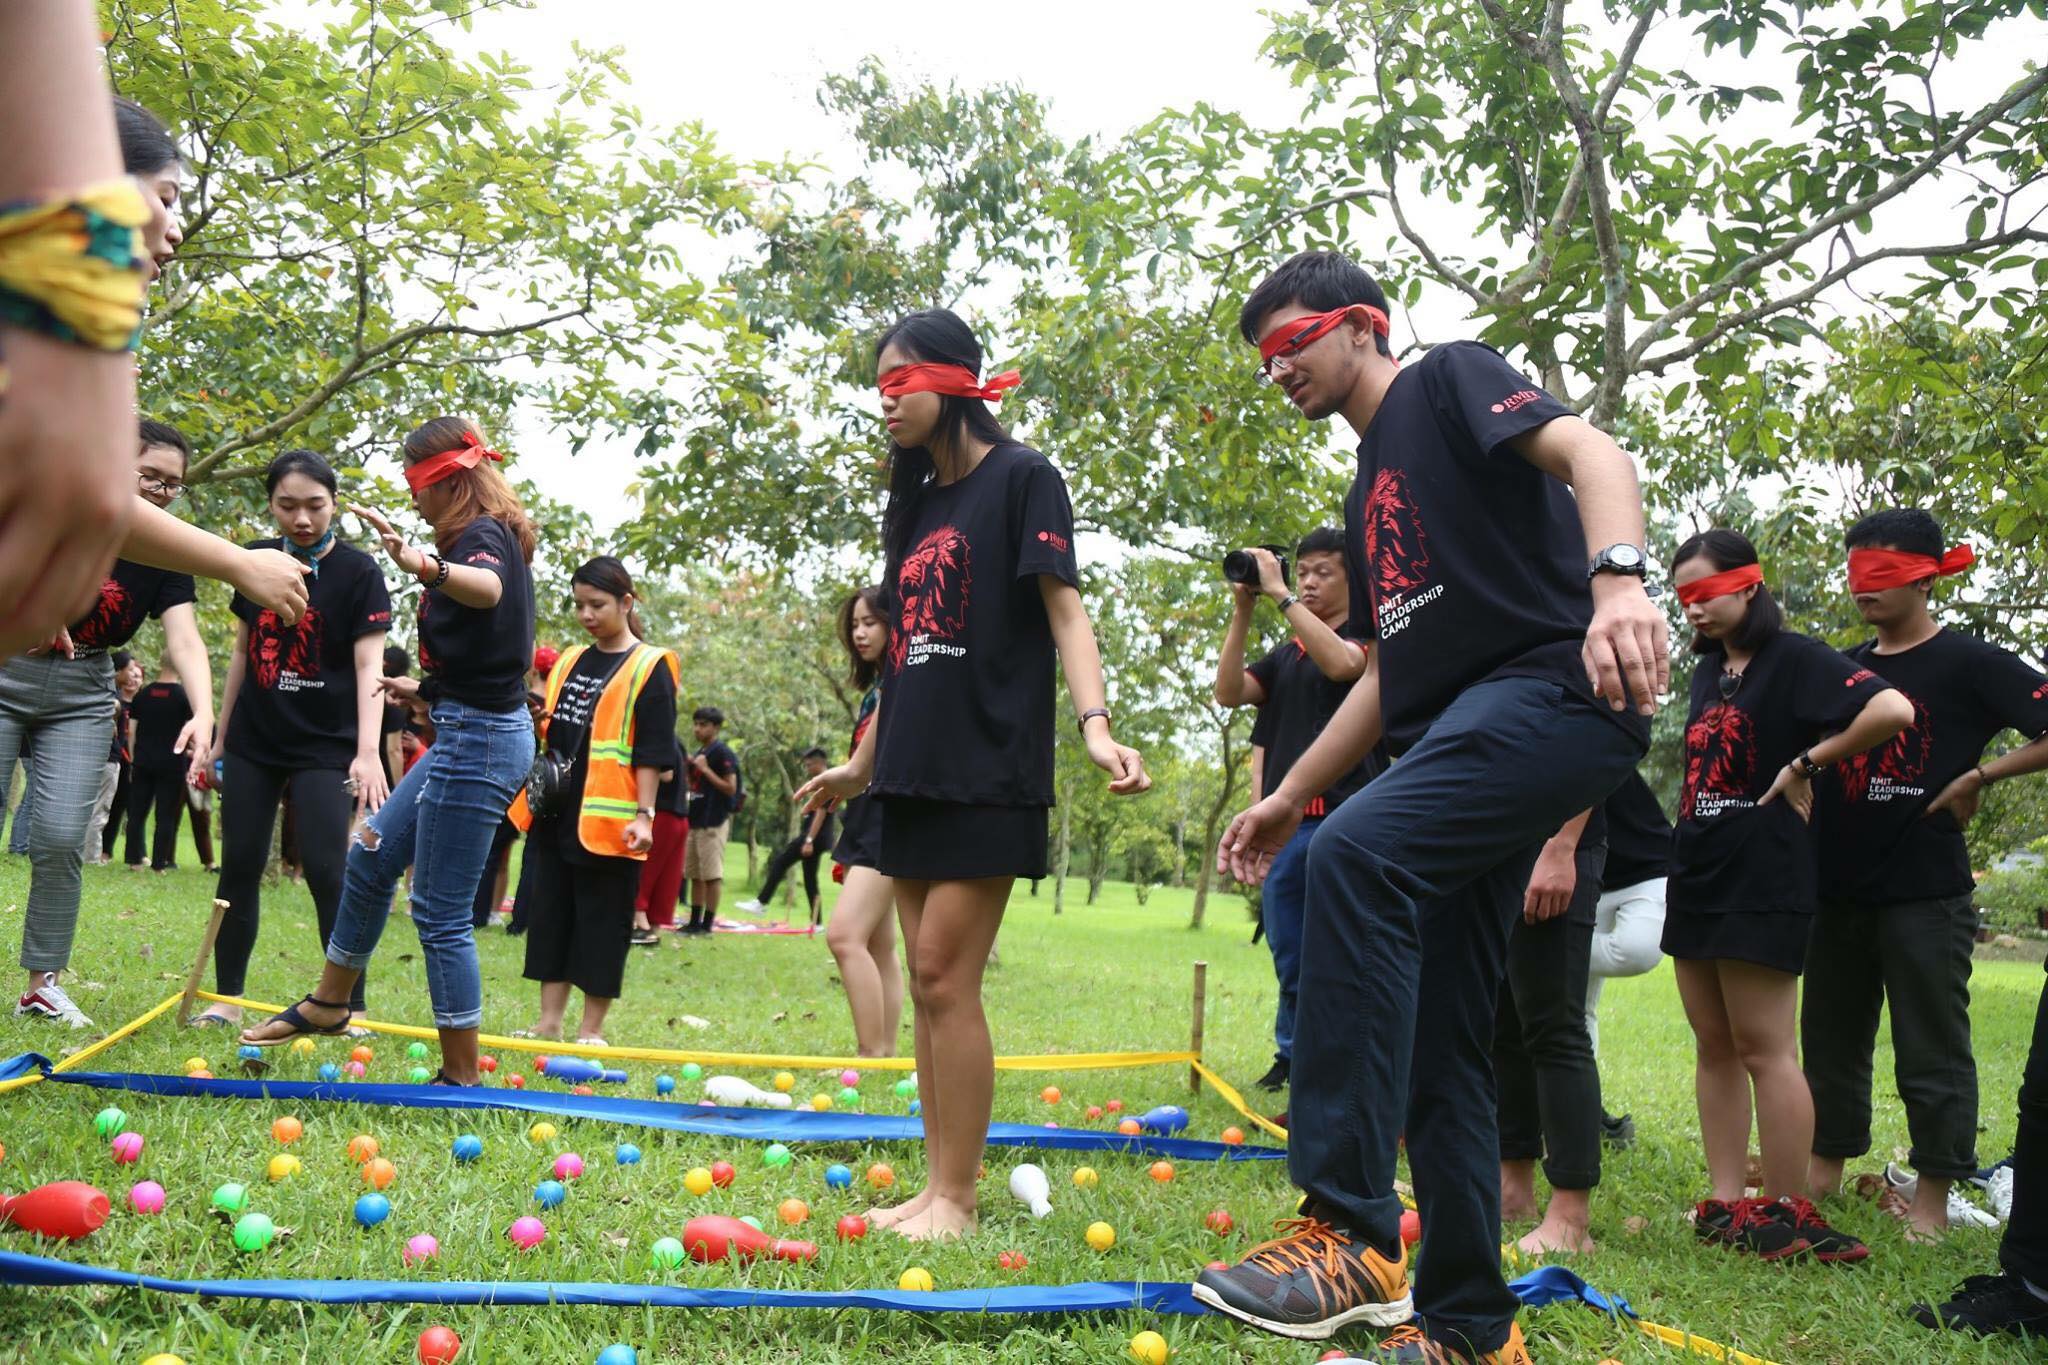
609 576
311 463
930 336
1725 550
146 145
863 672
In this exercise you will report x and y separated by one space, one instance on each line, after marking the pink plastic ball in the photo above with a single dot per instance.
527 1233
421 1248
356 1069
568 1166
146 1197
127 1148
849 1077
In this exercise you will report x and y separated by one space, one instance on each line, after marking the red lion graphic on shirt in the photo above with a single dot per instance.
932 587
107 619
1900 760
1396 550
1720 756
276 648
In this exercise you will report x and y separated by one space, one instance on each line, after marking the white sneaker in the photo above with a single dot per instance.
1961 1212
1999 1189
750 907
50 1001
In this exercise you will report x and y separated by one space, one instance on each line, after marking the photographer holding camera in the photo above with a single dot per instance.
1298 686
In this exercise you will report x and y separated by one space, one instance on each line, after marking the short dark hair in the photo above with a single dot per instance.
122 658
1905 528
397 663
1324 540
1319 281
1725 550
155 433
146 145
710 715
815 752
311 463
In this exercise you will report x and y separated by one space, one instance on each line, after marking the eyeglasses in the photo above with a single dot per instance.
1282 360
1731 683
160 487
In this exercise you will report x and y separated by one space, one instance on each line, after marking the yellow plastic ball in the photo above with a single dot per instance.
821 1102
542 1132
917 1280
196 1064
304 1046
1150 1348
284 1166
697 1181
1085 1178
784 1082
165 1359
1101 1236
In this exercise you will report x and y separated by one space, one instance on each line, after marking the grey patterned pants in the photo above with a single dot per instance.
68 706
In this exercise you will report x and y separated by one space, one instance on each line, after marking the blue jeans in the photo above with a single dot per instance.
440 819
1282 905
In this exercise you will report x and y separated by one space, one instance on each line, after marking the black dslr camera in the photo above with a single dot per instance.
1240 567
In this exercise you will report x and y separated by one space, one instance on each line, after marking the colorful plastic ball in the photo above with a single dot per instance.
723 1174
283 1166
108 1122
303 1046
231 1198
849 1078
792 1211
362 1147
692 1072
880 1176
626 1154
127 1148
1161 1171
1334 1354
618 1353
1149 1348
379 1173
439 1346
752 1222
1012 1260
486 1063
784 1082
540 1064
164 1358
1085 1178
515 1081
1219 1222
1051 1094
581 1090
905 1088
1129 1128
249 1052
667 1254
851 1228
849 1096
1233 1136
200 1075
916 1108
196 1064
1223 1265
329 1072
542 1132
372 1209
1411 1227
287 1130
821 1102
1114 1106
416 1050
254 1231
549 1193
664 1085
1101 1236
419 1075
916 1280
357 1070
697 1181
467 1147
568 1166
837 1176
146 1196
1094 1112
420 1247
527 1233
361 1053
775 1155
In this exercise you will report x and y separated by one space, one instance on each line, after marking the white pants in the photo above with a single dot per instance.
1628 928
102 807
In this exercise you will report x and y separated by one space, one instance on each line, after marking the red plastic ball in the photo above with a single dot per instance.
1094 1112
1012 1260
851 1228
1219 1265
516 1081
540 1064
723 1174
487 1063
439 1346
1411 1227
1219 1222
581 1090
1334 1355
1115 1106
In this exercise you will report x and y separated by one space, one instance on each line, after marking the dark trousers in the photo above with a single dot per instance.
1916 956
2025 1248
249 800
1414 882
787 857
158 791
522 896
122 785
487 889
1544 1073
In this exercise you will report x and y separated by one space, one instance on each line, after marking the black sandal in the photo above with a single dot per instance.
302 1026
441 1078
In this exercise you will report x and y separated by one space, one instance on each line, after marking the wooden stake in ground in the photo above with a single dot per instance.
220 908
1201 1008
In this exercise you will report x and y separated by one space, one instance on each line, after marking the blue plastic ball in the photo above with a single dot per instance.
372 1209
550 1193
249 1052
468 1147
329 1071
916 1108
838 1176
664 1085
627 1154
618 1354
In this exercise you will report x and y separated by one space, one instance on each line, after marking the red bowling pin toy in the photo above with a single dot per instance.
714 1237
67 1208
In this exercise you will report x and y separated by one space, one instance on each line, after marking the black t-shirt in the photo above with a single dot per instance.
1876 846
1729 854
1467 562
708 807
297 704
653 732
1300 699
966 713
1638 835
118 753
160 710
130 593
479 655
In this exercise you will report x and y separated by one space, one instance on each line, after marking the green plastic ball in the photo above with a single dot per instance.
776 1155
905 1088
231 1197
417 1051
253 1231
667 1254
848 1095
108 1122
691 1071
420 1075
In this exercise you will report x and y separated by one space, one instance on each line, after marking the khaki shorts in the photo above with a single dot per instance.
704 853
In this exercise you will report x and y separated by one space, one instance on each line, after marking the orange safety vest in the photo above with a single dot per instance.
611 794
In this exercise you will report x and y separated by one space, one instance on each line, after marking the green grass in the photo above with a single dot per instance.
1110 977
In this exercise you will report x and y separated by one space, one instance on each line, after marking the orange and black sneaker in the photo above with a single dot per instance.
1310 1282
1408 1344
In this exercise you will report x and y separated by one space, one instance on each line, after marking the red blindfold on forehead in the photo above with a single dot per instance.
435 468
1301 331
956 381
1877 570
1720 584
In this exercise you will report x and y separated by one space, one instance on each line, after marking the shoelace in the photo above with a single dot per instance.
1310 1244
54 993
1748 1213
1408 1334
1804 1214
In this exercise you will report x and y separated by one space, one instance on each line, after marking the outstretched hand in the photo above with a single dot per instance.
834 784
404 554
1247 849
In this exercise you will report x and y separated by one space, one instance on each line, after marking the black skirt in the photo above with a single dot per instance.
860 833
579 925
944 841
1766 938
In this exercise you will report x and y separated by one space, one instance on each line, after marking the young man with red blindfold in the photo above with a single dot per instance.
1493 542
1896 922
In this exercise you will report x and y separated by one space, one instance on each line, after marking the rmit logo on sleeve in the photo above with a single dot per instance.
1860 675
1518 400
1058 542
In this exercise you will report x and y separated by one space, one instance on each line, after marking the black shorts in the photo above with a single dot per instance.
944 841
579 924
860 833
1766 938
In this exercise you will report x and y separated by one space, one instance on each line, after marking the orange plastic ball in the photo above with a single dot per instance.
364 1055
287 1129
1051 1094
379 1173
880 1177
792 1211
1161 1171
362 1147
1115 1106
1129 1128
1233 1136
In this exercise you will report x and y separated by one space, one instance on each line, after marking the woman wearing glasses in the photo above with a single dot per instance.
1771 710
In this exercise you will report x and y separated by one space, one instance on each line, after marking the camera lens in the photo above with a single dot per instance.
1239 567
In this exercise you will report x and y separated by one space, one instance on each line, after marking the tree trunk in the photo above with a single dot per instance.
1180 852
1211 830
1063 853
1098 868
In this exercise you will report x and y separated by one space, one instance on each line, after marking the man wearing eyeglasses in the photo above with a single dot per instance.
1493 540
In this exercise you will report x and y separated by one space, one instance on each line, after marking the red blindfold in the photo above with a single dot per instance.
1302 331
1720 584
435 468
1877 570
956 381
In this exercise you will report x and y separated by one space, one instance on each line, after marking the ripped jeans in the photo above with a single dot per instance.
440 820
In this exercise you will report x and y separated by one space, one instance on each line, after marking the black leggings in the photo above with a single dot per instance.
323 810
160 791
787 857
115 813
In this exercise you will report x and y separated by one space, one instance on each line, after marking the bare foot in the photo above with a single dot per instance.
942 1220
910 1208
1554 1235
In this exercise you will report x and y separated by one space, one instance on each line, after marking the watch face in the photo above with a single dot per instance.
1623 556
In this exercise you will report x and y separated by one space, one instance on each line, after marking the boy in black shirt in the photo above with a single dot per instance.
157 775
1297 687
712 775
1494 543
1896 921
813 840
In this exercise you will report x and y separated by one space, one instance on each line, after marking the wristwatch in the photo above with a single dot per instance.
1806 766
647 811
1287 602
1622 559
